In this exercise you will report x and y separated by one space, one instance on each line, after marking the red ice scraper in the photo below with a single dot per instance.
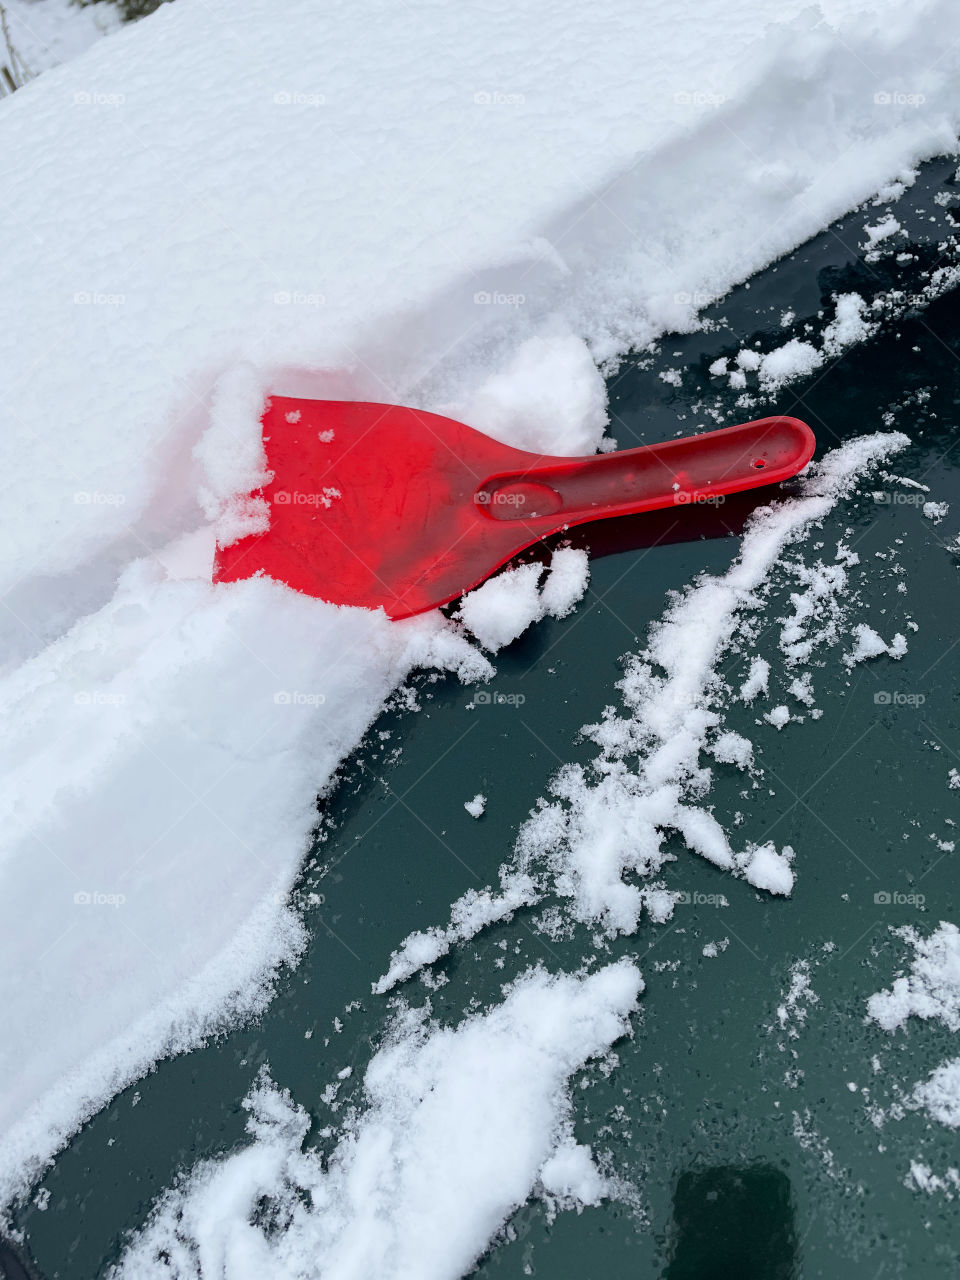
373 504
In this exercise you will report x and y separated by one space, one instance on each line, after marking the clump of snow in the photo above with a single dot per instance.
868 644
849 326
566 582
936 511
570 1174
457 1128
757 681
887 226
476 806
765 868
801 688
468 915
733 748
922 1178
795 359
931 989
500 610
778 716
940 1094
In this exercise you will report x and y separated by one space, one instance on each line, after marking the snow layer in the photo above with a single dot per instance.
151 832
248 214
458 1126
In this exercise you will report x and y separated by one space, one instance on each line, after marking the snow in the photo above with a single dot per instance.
733 748
936 511
427 232
604 829
129 773
549 397
468 915
778 716
767 869
932 988
882 230
49 32
793 360
476 806
757 681
848 327
566 582
570 1174
458 1128
940 1094
500 610
868 644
